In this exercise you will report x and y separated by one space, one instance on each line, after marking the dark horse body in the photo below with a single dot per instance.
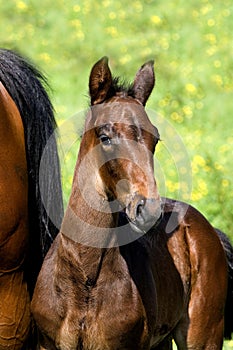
101 289
26 232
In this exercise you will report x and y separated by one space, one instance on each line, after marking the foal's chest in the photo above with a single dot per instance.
123 309
114 319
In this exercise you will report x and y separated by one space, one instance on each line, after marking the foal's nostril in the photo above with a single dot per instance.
143 212
140 207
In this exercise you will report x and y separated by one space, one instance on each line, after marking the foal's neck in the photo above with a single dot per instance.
88 224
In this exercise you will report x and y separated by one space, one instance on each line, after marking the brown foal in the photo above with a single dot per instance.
116 277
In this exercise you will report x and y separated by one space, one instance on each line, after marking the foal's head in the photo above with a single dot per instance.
124 141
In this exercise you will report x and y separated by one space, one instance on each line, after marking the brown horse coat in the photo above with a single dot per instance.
14 296
26 231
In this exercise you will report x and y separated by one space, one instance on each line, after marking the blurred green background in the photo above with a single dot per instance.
192 45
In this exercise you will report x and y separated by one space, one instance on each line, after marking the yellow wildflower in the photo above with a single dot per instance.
225 183
76 8
188 111
217 63
211 22
217 79
45 57
112 15
190 88
21 5
156 20
125 59
112 31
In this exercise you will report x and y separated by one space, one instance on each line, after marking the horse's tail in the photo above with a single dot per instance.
25 84
229 302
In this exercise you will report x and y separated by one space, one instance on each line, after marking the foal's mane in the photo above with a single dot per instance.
121 85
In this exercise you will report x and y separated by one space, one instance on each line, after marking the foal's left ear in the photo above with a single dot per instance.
100 81
144 82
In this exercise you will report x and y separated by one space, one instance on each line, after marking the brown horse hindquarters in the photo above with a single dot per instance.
202 326
14 298
209 283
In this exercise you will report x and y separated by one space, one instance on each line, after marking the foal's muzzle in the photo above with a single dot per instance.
143 213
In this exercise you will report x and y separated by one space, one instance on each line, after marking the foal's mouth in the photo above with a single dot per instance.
147 227
147 215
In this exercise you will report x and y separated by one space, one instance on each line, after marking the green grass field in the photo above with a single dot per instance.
192 45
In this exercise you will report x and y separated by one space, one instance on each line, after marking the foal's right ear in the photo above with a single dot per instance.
100 81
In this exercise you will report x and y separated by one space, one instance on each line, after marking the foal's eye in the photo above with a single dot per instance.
105 140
